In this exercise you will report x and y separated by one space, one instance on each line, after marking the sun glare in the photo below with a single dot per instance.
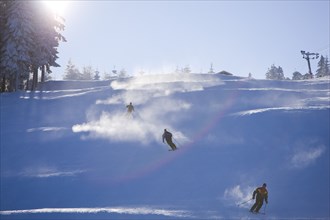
57 7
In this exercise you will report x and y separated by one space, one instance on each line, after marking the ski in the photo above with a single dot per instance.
258 213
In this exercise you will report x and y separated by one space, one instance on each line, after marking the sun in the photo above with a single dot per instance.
56 6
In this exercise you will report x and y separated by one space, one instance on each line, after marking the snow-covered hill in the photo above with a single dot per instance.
71 150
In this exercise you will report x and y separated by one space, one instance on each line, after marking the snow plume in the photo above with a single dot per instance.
46 129
154 107
143 88
239 196
303 157
168 83
139 97
144 125
46 172
116 210
119 127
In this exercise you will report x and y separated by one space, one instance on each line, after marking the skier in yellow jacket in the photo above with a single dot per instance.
262 194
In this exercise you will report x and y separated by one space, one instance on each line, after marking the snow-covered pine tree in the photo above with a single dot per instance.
323 67
297 76
97 75
29 40
106 75
122 73
186 69
2 27
71 72
87 73
320 69
16 42
275 73
327 66
47 37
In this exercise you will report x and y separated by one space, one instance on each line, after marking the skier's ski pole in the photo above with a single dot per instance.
244 202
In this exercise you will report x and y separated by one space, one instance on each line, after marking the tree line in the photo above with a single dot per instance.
274 72
89 73
323 69
30 35
29 38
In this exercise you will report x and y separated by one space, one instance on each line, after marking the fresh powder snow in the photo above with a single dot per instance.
71 150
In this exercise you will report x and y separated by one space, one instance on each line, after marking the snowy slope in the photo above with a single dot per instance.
70 151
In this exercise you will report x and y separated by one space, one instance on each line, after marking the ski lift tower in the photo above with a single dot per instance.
308 56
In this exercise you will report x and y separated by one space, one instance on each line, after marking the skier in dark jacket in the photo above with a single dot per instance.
130 108
262 194
168 137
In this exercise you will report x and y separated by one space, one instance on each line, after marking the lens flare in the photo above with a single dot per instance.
57 7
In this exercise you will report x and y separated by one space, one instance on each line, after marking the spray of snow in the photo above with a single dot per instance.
143 126
305 156
183 82
143 88
238 195
117 210
43 171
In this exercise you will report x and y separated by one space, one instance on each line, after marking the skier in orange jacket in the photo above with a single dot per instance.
262 194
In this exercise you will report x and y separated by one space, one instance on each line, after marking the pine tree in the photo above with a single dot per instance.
320 70
211 69
275 73
323 67
297 76
2 27
122 73
87 73
47 37
29 40
71 72
106 76
186 69
326 66
97 75
114 71
16 41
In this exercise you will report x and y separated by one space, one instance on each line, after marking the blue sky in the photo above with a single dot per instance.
158 36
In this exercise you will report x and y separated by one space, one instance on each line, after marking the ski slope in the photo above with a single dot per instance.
71 151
